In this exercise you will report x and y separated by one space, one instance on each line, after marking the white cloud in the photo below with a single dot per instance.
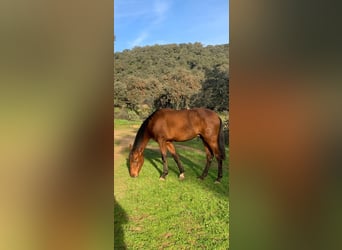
160 9
139 39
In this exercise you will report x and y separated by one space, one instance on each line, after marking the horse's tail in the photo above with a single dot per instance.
221 141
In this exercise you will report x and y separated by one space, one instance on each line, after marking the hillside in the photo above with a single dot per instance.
174 75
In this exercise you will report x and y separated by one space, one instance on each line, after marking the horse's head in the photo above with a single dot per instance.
136 160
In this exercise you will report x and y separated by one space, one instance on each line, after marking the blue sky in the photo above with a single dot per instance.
149 22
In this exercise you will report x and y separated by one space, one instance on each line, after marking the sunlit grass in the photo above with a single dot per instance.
120 123
172 214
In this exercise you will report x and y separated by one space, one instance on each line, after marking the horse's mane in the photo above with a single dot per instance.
140 135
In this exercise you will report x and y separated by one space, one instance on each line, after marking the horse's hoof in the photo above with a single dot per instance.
181 176
162 178
201 178
217 182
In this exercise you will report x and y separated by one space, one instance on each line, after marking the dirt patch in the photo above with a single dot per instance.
122 139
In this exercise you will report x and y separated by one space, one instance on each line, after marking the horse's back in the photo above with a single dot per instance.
180 125
171 124
185 115
205 113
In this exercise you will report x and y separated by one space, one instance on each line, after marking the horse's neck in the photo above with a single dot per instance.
143 144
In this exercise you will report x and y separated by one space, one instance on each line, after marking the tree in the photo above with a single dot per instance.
173 75
120 97
215 89
180 86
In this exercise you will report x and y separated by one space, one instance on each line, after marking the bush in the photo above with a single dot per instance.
126 114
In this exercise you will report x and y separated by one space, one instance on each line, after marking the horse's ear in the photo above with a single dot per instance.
130 147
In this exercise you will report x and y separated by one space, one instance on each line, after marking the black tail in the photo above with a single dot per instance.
221 141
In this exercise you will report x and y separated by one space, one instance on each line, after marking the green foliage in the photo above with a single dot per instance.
215 91
176 76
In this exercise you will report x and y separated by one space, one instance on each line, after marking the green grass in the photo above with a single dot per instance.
171 214
120 123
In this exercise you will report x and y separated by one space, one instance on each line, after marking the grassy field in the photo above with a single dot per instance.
121 124
171 214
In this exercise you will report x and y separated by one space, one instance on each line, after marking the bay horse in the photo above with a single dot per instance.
168 125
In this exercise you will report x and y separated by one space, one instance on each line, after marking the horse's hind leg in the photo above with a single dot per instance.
209 160
219 165
175 156
219 176
215 151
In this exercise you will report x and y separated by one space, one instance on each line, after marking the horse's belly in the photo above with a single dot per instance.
182 137
174 131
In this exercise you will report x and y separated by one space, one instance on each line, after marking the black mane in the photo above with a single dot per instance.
140 135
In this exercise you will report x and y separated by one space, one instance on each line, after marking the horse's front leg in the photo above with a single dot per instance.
165 168
163 151
175 156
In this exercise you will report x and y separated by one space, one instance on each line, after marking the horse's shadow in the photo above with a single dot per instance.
120 218
154 157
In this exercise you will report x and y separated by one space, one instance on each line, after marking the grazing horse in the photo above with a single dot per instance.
168 125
